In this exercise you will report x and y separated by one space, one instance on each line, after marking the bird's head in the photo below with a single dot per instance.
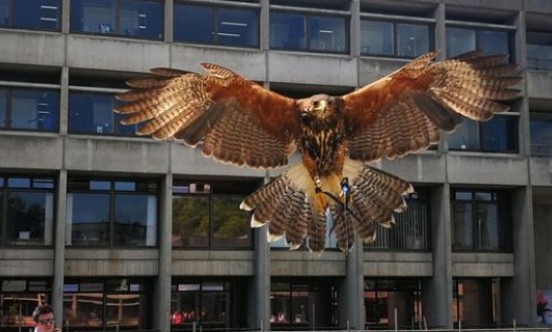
318 106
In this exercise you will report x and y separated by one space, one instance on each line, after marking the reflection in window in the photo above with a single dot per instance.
29 109
293 31
207 214
383 296
541 133
474 302
111 216
30 14
110 304
481 221
129 18
411 231
539 50
27 210
92 113
407 40
212 25
496 135
299 303
461 40
18 299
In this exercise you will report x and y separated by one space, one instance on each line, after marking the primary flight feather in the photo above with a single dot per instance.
237 121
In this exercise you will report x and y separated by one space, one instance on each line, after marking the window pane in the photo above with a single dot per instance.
83 309
376 38
34 109
328 34
4 13
194 24
190 221
91 113
215 309
460 41
413 39
487 219
539 50
463 226
237 27
88 219
541 134
3 107
493 42
140 18
465 137
231 224
123 310
135 220
29 218
288 31
500 134
36 14
95 16
17 308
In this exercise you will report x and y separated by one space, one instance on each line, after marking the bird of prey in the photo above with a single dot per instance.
239 122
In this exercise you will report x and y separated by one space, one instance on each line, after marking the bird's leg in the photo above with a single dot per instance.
317 184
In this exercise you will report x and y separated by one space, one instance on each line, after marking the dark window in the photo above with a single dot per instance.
463 39
474 302
128 18
539 50
318 33
92 113
383 296
303 303
481 221
30 14
388 38
497 135
216 25
210 304
207 214
27 210
411 231
107 304
108 213
541 134
18 299
29 109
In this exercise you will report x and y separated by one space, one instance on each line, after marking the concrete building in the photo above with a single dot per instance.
123 231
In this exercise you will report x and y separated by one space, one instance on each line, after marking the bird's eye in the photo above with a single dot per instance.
315 103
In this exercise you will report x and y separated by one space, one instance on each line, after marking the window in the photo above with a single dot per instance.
383 296
210 304
207 214
308 32
539 50
128 18
411 231
481 220
475 302
111 213
29 109
30 14
496 135
230 26
303 303
92 113
18 299
107 304
27 210
400 39
541 134
464 39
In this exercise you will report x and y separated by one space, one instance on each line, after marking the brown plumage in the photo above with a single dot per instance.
239 122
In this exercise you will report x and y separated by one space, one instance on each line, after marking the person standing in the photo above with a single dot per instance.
43 316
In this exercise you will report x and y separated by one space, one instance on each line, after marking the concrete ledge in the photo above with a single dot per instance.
398 264
541 171
43 151
305 263
468 168
27 262
482 265
32 47
426 167
539 83
212 263
111 262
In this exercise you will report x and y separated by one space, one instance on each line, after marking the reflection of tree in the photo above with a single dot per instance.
230 221
190 215
24 216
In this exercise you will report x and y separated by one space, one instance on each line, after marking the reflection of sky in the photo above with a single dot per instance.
131 209
90 208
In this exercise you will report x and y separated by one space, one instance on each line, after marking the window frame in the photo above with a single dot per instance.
12 13
480 127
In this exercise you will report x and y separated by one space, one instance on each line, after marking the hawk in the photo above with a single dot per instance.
239 122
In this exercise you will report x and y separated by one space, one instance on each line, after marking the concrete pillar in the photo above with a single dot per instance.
162 289
64 102
169 21
59 246
352 297
437 290
65 16
518 293
260 312
355 29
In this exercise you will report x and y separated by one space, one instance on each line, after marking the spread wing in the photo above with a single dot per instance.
236 120
403 112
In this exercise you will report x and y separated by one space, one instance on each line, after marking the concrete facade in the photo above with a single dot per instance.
530 178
